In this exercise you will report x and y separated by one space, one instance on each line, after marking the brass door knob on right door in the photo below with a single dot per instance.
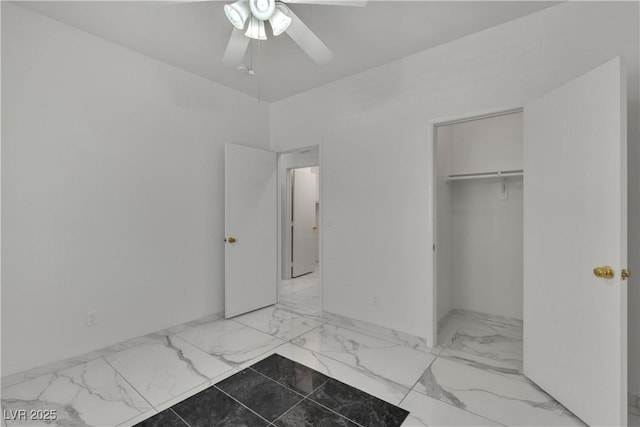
605 272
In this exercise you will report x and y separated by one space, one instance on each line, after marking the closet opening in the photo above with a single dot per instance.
478 240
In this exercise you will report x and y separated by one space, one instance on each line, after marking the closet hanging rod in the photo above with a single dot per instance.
481 175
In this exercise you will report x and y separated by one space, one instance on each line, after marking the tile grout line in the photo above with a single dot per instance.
451 404
472 364
177 415
453 358
358 389
296 310
278 383
318 388
461 409
371 335
282 385
360 370
130 385
443 348
367 372
210 384
305 333
286 412
336 412
286 386
418 380
307 397
226 362
280 338
242 404
256 329
207 354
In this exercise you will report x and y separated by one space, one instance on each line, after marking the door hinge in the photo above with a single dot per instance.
434 247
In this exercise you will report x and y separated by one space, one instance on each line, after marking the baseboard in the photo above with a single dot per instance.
470 314
402 338
50 368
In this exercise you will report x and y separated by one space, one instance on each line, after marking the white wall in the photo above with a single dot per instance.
112 190
487 247
376 123
488 145
444 221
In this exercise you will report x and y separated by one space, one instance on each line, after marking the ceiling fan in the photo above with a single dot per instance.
248 19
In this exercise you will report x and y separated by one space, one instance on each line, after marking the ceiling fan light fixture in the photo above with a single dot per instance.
256 30
237 13
262 9
280 21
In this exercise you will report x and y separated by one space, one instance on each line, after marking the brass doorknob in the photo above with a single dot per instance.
625 274
605 272
231 240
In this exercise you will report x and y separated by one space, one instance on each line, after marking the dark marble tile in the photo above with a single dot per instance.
263 395
357 405
166 418
309 414
292 374
213 408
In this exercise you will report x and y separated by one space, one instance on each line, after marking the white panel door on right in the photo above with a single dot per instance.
304 241
575 324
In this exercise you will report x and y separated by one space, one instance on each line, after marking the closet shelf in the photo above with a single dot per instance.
485 175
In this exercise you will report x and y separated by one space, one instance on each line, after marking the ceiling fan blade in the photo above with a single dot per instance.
307 40
358 3
236 48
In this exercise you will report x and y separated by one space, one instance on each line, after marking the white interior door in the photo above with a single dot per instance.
304 244
250 269
575 324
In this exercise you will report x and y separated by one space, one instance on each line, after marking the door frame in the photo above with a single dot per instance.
281 214
432 128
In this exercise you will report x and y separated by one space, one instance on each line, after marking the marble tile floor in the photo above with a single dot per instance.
277 391
483 341
464 381
302 294
634 410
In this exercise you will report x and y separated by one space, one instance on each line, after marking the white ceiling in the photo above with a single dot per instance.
193 36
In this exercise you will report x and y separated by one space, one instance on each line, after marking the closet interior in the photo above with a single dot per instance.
479 225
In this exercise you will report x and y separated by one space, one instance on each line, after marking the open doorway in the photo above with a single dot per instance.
303 210
300 285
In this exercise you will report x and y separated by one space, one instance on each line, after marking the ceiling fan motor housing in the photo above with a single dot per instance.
281 19
262 9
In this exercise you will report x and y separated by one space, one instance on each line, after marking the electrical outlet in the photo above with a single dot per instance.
375 301
91 318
